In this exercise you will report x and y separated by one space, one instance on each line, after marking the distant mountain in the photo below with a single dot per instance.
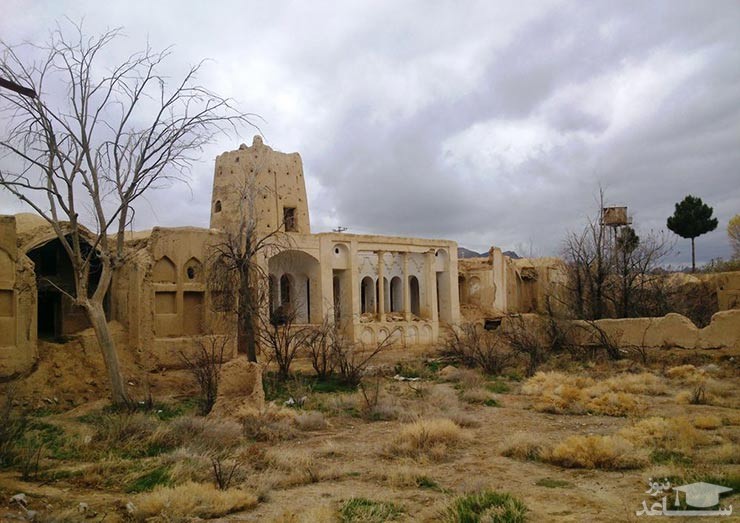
462 252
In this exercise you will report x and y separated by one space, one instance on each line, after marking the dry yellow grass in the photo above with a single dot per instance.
643 383
427 437
311 515
524 446
674 433
707 422
183 502
559 393
686 374
596 452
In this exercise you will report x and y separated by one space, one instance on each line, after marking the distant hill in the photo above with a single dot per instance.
462 252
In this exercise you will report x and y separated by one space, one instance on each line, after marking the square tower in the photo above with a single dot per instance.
259 185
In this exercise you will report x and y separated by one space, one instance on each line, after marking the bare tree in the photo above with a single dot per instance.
95 139
239 263
205 366
609 274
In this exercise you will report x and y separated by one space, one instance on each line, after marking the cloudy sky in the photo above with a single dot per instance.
488 123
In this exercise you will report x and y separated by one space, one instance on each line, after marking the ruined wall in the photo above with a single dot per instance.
498 284
269 180
164 292
18 350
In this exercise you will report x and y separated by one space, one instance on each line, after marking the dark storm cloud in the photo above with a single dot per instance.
479 122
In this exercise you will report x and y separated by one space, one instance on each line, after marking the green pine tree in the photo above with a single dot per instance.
692 218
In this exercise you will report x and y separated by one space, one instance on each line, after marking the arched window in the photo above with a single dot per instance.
217 206
414 295
396 294
367 295
285 289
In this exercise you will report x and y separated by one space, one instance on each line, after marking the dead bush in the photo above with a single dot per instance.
205 367
473 346
595 452
352 360
183 502
427 438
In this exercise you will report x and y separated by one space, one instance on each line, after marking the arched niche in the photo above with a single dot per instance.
193 271
164 271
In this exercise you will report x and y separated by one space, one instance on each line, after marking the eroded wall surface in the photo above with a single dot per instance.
18 350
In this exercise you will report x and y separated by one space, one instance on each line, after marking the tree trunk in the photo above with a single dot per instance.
693 256
96 315
246 333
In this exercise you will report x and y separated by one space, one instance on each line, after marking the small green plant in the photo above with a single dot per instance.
426 482
665 457
489 506
369 511
490 402
147 482
498 387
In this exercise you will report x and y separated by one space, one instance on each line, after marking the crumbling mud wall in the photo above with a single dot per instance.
671 331
18 350
163 299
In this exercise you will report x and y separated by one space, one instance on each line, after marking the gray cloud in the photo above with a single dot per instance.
486 124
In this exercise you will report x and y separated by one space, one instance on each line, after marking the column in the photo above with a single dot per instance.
406 288
381 287
431 285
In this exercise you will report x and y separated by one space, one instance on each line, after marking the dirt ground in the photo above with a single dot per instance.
317 466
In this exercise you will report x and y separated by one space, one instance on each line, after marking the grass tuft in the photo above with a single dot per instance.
368 511
488 506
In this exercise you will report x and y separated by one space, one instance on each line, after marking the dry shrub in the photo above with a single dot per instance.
614 404
464 419
183 502
272 424
560 393
707 422
643 383
311 420
466 378
706 392
672 434
686 374
205 433
298 467
186 464
124 429
524 446
596 452
476 395
427 437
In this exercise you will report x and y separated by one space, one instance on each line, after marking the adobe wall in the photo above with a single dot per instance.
163 301
269 180
669 331
18 349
